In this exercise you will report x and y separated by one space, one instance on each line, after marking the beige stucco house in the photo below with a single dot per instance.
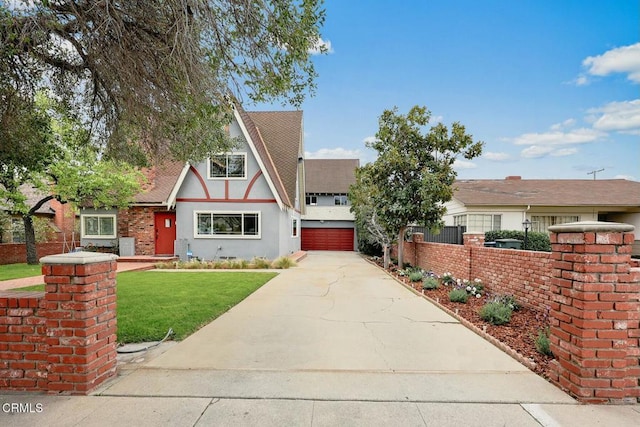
489 204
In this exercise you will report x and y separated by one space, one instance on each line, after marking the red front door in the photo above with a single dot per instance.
165 227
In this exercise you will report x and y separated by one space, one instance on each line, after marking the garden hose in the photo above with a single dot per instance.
169 333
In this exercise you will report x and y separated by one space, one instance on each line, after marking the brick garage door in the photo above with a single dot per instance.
327 239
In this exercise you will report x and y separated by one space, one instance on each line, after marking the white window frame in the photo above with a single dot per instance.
340 198
83 231
311 200
234 153
257 236
295 227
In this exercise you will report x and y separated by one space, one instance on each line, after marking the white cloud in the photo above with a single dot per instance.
625 59
623 116
496 157
334 153
369 140
557 137
563 152
436 119
463 164
564 125
536 151
581 80
319 45
627 177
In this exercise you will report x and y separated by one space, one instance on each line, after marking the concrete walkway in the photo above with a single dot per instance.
37 280
334 341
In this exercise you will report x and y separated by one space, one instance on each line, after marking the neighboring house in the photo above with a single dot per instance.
241 204
327 223
60 217
483 204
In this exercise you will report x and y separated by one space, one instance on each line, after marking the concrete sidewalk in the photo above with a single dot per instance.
334 341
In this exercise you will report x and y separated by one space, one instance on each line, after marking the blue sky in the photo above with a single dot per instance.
550 86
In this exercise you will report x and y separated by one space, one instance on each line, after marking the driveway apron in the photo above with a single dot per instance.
337 328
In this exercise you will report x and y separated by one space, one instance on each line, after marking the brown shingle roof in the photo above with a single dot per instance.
547 192
277 136
161 180
329 175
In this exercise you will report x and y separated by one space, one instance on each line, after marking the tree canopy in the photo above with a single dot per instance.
152 77
413 175
60 161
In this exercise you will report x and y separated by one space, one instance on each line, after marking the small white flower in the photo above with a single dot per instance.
474 289
477 280
478 295
468 288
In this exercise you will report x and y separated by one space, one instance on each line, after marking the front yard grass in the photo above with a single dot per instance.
151 302
18 271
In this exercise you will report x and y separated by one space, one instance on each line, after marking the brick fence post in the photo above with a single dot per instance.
81 320
473 238
595 312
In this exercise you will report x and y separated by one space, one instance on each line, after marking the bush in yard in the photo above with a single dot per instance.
430 283
415 276
283 262
542 342
496 313
458 295
260 263
508 300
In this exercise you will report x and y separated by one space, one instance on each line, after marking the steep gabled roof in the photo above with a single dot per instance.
548 192
277 138
33 195
330 175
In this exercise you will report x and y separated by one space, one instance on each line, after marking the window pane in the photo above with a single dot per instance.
204 223
235 166
251 225
91 225
106 226
218 166
229 224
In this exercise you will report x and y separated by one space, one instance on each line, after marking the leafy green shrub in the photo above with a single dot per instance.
458 295
283 262
448 279
415 276
496 313
508 300
542 342
536 240
430 283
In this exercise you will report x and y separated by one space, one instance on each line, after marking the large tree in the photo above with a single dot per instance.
413 174
58 159
156 76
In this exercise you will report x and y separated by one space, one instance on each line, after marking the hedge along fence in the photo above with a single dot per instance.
536 240
524 274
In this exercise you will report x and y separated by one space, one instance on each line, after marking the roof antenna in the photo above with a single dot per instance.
594 173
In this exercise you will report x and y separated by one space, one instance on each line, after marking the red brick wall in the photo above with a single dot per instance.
524 274
595 314
23 348
12 253
138 222
62 340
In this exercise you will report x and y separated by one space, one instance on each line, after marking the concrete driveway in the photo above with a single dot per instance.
334 341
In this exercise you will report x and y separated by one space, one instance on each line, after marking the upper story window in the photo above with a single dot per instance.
340 200
98 226
311 200
228 166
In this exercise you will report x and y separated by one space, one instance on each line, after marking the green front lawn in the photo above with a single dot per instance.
151 302
18 271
